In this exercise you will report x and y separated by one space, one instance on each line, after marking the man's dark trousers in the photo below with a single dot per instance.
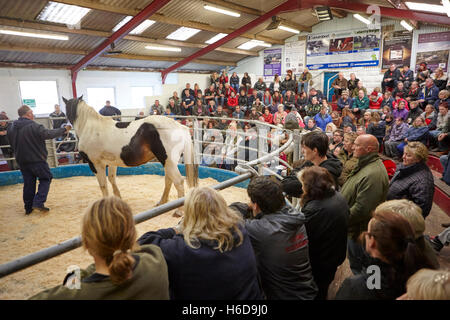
31 172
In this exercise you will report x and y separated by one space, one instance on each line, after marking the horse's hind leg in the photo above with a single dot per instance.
167 186
101 178
112 173
171 170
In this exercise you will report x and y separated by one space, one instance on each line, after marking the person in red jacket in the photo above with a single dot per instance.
229 90
375 101
232 101
223 78
268 117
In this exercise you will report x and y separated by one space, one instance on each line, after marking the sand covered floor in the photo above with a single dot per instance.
68 198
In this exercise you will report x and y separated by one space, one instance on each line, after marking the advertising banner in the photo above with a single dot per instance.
272 62
433 48
396 49
347 49
294 56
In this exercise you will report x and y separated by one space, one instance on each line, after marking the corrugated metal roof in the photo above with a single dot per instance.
21 9
37 57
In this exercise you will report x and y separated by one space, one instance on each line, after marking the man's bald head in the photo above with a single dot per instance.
365 144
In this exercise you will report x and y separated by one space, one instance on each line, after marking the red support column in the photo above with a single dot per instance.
74 85
288 5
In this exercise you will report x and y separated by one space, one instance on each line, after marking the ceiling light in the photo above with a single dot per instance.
361 18
223 11
446 4
288 29
217 37
62 13
406 25
425 7
34 35
138 30
173 49
253 43
182 33
323 13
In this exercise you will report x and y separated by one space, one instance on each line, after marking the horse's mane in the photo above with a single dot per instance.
85 110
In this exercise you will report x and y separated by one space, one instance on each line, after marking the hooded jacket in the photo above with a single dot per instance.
28 140
415 183
281 247
365 188
293 187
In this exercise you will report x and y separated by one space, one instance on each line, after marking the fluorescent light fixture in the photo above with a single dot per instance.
223 11
425 7
288 29
138 30
34 35
446 4
361 18
216 38
62 13
182 33
253 43
323 13
406 25
173 49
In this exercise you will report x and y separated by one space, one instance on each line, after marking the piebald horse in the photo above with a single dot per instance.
104 142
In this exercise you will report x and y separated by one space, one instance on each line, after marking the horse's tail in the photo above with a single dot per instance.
189 162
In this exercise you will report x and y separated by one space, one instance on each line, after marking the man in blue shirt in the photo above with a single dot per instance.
345 101
109 110
187 102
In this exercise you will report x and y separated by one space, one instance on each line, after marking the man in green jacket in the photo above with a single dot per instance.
360 103
365 188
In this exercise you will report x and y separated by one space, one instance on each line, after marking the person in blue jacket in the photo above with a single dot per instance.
417 132
344 101
429 94
323 118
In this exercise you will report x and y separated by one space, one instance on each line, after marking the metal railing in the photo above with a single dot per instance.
246 170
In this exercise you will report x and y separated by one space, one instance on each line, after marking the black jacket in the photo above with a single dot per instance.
58 123
288 85
415 183
326 226
394 75
28 140
293 187
378 131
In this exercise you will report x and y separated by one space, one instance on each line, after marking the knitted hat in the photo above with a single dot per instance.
374 93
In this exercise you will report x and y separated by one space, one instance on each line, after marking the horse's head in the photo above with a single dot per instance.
71 108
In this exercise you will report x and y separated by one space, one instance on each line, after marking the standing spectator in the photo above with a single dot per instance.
304 80
58 114
401 111
322 118
413 179
406 76
246 81
413 93
209 234
234 81
188 93
365 188
108 110
349 162
360 104
389 241
344 101
278 235
352 84
396 137
187 103
390 78
288 84
429 94
260 87
326 212
275 85
423 73
440 79
339 84
375 101
120 270
289 100
27 139
223 79
156 108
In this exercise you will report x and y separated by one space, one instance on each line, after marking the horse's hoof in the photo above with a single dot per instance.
177 214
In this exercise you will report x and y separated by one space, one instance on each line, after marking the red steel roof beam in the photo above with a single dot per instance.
288 5
122 32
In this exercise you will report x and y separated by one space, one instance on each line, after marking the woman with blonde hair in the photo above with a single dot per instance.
121 270
427 284
413 179
209 253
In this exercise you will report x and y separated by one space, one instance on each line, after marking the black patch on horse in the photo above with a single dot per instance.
85 158
122 125
147 134
71 108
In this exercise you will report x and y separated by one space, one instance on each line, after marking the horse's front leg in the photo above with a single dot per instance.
101 178
167 186
112 172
